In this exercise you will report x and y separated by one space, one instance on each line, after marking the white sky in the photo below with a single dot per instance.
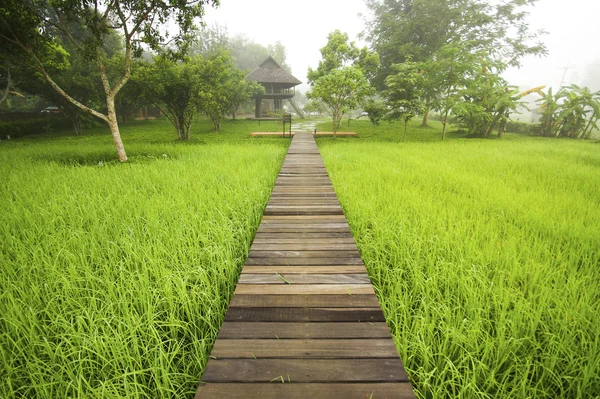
573 28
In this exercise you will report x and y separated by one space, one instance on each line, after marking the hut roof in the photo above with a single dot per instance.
271 72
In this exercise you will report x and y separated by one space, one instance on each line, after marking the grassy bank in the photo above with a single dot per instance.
115 277
484 255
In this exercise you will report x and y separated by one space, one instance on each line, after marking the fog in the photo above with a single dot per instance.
302 26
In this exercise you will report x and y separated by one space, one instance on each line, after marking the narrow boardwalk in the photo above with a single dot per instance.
304 321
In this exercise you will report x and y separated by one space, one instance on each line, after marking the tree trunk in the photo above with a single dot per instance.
444 121
585 134
114 128
425 118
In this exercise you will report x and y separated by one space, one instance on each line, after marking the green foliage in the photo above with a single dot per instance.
399 29
404 92
571 112
174 88
339 53
223 87
486 104
29 30
484 256
32 126
342 90
375 110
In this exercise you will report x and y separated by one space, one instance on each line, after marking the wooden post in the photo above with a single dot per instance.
257 110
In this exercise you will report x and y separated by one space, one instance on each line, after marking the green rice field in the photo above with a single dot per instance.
485 256
115 278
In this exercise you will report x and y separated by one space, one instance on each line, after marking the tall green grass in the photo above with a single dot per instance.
485 255
115 277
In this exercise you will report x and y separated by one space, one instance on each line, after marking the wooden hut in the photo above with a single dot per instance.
279 85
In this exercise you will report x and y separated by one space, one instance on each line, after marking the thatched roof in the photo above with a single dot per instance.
271 72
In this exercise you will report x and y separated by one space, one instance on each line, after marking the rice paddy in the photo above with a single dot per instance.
115 278
484 255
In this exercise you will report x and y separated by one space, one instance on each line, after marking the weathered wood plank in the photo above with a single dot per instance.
331 269
325 245
303 241
303 301
303 261
304 234
303 330
274 390
304 278
303 254
305 314
305 370
306 289
304 348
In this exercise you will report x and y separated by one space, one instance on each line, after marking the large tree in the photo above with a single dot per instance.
418 29
223 87
30 30
342 90
174 88
339 52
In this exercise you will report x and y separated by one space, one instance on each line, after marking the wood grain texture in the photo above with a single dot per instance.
304 349
274 390
311 278
303 330
303 301
305 314
305 370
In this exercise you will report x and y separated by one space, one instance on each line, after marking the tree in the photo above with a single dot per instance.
404 92
339 53
398 29
446 73
174 88
375 110
29 28
565 114
223 87
342 90
486 103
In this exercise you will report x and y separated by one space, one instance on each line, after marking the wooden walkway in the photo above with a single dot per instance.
304 321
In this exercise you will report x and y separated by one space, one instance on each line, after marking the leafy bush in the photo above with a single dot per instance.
33 126
522 127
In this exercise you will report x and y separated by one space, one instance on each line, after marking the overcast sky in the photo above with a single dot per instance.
573 28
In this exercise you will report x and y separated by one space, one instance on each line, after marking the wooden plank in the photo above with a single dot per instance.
300 301
303 261
305 370
303 330
304 349
333 269
301 218
304 234
305 289
303 241
312 278
324 245
305 314
328 220
302 228
303 254
386 390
